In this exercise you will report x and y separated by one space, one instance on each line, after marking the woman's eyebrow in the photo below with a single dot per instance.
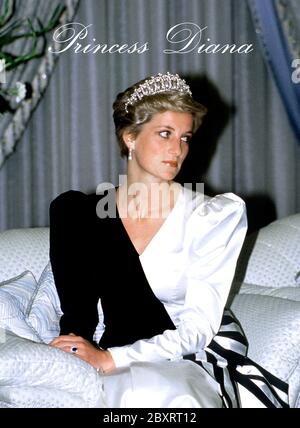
165 126
171 128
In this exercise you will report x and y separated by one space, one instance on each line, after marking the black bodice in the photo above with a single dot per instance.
94 258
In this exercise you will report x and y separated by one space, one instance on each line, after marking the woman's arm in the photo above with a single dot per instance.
71 256
217 232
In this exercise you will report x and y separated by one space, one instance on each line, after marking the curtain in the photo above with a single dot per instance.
36 63
246 144
278 27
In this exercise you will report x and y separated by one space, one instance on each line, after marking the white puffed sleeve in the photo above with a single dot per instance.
212 240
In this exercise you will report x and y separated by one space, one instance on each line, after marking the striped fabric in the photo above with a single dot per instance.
226 360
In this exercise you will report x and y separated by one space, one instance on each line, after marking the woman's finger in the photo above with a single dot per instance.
66 338
65 344
70 347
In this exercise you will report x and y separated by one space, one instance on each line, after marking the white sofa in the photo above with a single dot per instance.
265 297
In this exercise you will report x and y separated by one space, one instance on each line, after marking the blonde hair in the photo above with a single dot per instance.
143 110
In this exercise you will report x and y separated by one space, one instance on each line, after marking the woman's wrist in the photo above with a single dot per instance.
106 362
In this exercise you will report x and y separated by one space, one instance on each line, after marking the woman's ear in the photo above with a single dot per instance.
129 140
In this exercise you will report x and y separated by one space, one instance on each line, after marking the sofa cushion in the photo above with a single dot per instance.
37 396
272 326
38 375
31 309
291 293
16 296
44 312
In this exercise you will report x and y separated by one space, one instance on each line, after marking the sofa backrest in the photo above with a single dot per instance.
23 249
272 257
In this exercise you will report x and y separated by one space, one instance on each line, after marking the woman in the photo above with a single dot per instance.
161 262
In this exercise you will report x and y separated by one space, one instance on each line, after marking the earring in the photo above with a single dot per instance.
130 155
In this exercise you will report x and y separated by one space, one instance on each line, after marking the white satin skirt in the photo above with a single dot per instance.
167 384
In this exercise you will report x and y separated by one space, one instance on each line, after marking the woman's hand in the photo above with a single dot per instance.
82 348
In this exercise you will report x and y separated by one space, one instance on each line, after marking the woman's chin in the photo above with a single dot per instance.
168 177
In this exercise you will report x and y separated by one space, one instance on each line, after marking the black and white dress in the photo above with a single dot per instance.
160 312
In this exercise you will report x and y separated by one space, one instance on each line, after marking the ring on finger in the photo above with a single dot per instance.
74 349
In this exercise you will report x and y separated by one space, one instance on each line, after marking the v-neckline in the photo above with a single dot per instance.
159 231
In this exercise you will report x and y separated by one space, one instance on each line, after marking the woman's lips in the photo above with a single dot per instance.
171 163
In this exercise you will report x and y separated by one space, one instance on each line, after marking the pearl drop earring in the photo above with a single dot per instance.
130 149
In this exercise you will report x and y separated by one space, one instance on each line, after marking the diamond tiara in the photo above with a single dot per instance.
156 84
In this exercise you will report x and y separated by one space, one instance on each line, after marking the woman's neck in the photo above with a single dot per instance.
140 200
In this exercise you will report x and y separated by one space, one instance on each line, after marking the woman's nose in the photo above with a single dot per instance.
175 146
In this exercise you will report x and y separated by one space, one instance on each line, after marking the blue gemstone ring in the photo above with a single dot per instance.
74 349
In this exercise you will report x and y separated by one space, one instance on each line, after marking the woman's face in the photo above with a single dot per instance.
161 146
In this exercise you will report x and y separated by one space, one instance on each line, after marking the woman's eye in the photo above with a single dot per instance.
164 134
186 138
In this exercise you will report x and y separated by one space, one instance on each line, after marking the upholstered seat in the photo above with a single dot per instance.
265 293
